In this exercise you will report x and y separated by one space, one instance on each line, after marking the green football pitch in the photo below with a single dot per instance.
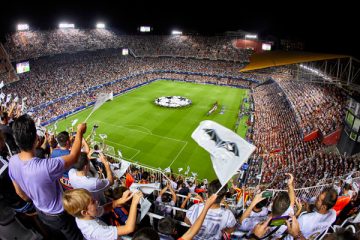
158 136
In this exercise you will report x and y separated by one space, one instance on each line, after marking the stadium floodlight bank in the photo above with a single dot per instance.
66 25
22 27
176 32
100 25
145 29
251 36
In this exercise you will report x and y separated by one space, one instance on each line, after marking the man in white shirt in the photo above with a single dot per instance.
255 213
314 223
79 178
217 220
283 205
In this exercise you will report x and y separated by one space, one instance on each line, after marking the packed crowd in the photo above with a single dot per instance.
34 44
63 75
280 145
74 191
316 107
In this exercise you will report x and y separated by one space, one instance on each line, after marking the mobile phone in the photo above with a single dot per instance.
267 194
278 221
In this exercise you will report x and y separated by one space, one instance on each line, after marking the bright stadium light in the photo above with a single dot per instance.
316 72
145 28
251 36
100 25
176 32
66 25
22 27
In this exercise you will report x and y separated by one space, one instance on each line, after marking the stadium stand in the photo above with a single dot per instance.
73 65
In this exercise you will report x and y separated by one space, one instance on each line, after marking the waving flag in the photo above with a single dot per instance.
145 188
228 151
100 100
73 122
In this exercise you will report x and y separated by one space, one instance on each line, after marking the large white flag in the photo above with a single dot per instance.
228 151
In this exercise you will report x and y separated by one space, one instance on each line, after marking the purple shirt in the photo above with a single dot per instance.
38 178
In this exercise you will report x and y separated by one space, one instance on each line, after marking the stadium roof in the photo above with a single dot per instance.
280 58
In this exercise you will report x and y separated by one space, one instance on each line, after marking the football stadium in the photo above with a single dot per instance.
105 135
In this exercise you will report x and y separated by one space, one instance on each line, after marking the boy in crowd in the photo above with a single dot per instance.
81 204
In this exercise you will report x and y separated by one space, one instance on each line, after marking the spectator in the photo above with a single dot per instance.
37 179
79 178
164 202
315 223
80 204
217 220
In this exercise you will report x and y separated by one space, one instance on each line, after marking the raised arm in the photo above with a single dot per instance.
164 189
130 223
76 148
173 194
107 169
183 205
258 198
85 146
291 189
194 229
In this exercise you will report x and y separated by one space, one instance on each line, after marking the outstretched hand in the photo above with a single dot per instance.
291 178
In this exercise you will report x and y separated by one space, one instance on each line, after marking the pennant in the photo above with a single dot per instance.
73 122
144 207
122 170
145 188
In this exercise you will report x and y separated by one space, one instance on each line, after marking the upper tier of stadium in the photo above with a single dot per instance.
34 44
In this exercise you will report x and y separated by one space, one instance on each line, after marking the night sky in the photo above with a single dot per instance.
327 27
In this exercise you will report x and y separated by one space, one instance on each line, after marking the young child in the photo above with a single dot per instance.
80 204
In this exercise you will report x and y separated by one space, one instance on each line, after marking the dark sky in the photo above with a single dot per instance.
327 27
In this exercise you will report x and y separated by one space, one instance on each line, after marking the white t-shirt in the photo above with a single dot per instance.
313 224
215 221
96 229
249 223
162 207
94 185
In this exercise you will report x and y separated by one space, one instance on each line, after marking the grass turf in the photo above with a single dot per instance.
161 137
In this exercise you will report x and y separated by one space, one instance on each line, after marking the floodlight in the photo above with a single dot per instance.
22 27
100 25
176 32
145 29
66 25
251 36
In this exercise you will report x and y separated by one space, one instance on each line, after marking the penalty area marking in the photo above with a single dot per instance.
173 139
119 144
